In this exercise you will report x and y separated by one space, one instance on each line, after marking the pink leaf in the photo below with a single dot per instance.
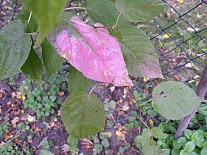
96 54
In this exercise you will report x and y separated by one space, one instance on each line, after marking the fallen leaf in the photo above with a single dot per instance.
30 118
19 95
87 141
9 102
96 54
121 113
125 108
14 121
61 93
88 147
23 98
151 122
65 148
118 133
146 79
13 94
7 137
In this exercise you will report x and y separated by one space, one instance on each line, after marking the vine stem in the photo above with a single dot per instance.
72 8
200 91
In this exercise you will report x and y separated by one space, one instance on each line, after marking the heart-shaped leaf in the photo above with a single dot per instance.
139 53
140 10
46 13
174 100
83 114
96 53
15 46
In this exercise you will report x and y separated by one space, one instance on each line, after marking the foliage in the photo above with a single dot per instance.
168 102
42 97
192 142
9 148
15 45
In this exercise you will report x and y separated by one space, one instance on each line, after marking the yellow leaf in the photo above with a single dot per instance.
151 122
166 36
118 133
145 79
23 98
180 1
30 118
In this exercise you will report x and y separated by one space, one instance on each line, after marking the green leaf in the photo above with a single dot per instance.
64 19
139 53
149 146
189 146
188 133
33 66
15 47
46 12
45 152
29 20
102 11
175 151
78 82
156 132
182 152
73 143
51 59
140 10
165 151
174 100
199 141
181 141
204 151
83 114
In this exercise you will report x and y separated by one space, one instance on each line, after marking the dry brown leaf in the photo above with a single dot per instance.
88 147
61 93
9 102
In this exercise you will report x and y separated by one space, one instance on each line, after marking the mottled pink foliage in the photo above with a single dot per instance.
96 54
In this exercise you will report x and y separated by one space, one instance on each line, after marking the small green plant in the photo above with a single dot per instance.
192 142
42 97
9 148
4 127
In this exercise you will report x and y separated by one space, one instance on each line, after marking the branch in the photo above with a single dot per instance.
200 91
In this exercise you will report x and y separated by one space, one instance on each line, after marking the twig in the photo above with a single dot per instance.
72 8
114 121
40 143
93 88
200 91
30 15
146 102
